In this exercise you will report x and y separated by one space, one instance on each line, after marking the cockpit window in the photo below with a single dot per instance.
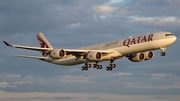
168 34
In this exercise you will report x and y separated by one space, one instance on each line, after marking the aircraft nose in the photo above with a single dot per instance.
173 39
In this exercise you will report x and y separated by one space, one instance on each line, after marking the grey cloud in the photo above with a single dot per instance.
64 98
151 8
32 16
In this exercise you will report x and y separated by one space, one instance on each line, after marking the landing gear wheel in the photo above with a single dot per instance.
114 66
97 66
94 65
111 65
82 68
163 54
163 51
107 68
86 68
89 65
100 66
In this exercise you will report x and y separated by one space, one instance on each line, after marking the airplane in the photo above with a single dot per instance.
136 49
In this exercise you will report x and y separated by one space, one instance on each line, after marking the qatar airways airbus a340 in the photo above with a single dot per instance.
136 49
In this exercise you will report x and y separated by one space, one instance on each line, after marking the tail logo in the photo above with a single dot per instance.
42 43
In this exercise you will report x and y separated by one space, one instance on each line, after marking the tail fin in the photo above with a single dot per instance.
43 42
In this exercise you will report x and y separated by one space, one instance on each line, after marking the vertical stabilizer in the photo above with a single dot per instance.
43 42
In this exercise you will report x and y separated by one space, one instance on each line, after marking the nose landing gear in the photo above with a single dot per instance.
163 53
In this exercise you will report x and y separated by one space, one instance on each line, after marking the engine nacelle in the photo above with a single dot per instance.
57 53
148 55
137 57
94 56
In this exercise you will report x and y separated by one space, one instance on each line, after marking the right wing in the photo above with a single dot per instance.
28 47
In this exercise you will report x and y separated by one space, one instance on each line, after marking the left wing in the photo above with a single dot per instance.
75 52
28 47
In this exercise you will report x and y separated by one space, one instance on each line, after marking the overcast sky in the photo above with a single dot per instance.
77 23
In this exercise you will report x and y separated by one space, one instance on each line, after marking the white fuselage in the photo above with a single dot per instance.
123 47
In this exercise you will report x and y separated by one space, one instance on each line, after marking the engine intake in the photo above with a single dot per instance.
137 57
57 54
94 56
148 55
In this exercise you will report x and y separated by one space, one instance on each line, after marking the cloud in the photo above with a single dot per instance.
104 9
69 79
124 74
22 82
75 24
160 75
13 80
163 75
39 96
173 1
117 1
156 21
5 84
139 85
9 76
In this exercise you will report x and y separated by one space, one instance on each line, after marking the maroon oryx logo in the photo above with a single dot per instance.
42 45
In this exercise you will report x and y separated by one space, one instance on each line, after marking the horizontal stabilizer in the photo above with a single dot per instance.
34 57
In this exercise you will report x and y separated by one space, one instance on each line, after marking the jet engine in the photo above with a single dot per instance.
148 55
137 57
94 56
57 54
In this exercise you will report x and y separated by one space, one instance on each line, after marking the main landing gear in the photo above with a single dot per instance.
86 66
97 66
111 66
163 53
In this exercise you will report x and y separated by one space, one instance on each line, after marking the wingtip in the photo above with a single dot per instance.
6 43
